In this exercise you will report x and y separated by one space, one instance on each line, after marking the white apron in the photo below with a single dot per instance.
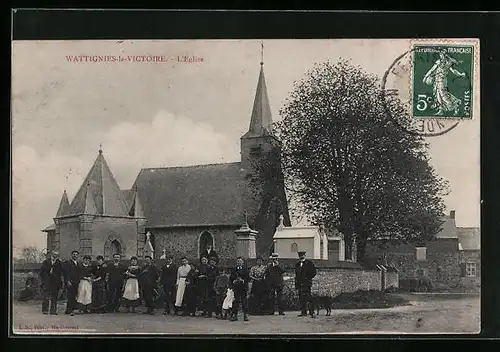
84 292
131 291
180 292
228 301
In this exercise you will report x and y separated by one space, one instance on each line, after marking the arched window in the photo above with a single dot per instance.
116 247
294 248
112 246
205 239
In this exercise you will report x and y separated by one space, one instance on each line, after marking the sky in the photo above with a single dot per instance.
154 114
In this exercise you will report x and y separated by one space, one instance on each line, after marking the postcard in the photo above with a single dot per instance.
258 187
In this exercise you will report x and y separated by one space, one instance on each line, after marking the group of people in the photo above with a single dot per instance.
187 288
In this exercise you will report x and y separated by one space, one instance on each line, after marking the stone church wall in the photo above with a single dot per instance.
185 241
108 229
69 237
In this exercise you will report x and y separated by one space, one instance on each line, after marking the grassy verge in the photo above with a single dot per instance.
368 299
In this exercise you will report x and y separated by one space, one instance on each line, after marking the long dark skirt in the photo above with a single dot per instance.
99 296
259 298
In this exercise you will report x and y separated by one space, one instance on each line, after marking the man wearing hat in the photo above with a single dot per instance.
305 271
51 276
274 276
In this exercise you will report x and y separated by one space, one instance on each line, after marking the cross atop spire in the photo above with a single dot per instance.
261 52
100 148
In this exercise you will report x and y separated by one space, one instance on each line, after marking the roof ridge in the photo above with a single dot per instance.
187 166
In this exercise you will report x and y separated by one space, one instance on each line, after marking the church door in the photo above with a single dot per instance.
206 238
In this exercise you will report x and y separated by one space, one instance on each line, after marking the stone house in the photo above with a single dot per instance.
470 256
440 259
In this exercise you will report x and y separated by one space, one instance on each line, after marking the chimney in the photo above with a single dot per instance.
452 214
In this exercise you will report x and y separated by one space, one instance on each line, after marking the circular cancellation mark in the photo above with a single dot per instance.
398 87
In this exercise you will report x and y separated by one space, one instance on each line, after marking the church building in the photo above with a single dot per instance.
183 208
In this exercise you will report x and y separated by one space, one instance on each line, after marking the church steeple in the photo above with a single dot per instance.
261 120
100 189
63 205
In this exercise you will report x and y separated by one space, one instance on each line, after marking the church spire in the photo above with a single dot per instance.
261 120
101 187
63 205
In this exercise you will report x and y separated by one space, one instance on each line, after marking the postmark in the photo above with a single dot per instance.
436 83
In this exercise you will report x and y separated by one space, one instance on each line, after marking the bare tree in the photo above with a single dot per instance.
32 254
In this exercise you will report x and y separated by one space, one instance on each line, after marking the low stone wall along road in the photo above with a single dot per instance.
426 314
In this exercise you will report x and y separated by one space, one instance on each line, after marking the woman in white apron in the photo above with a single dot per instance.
182 273
84 295
131 297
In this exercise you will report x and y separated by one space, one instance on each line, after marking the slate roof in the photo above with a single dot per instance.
261 121
469 237
128 196
63 205
99 190
192 195
448 228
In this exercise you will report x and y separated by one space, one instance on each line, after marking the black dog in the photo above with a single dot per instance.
324 302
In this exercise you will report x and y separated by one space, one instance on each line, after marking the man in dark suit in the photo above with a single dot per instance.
305 271
71 279
115 277
209 252
148 281
274 278
238 282
168 279
51 277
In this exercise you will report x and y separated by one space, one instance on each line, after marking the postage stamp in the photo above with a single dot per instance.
442 81
437 82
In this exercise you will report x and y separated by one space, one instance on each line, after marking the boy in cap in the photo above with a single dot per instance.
274 276
305 271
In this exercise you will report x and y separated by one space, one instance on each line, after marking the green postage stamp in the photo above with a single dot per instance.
443 80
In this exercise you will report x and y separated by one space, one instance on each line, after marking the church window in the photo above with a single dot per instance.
116 247
294 248
205 239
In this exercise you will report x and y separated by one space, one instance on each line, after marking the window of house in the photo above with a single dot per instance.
420 272
421 253
294 247
470 269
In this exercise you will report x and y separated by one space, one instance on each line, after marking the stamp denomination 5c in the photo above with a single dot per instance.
442 83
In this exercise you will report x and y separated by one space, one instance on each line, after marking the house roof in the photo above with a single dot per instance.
298 232
261 121
448 228
469 237
51 227
99 192
191 195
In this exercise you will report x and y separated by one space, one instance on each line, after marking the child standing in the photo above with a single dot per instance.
221 285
